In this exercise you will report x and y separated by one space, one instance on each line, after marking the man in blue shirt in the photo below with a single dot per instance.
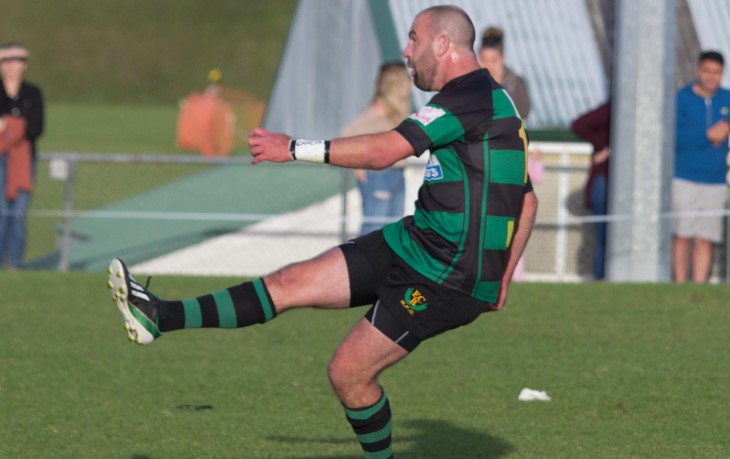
698 187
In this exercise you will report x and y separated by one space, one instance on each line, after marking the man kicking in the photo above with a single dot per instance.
436 270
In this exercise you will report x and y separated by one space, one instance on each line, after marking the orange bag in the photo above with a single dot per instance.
205 124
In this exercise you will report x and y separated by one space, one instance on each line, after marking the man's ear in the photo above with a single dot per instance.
442 44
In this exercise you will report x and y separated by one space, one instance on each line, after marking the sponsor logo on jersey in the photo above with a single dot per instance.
427 114
724 111
433 169
414 301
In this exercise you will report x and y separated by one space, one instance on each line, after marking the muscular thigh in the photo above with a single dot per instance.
366 351
320 282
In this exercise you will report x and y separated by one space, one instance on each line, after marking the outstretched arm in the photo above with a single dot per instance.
371 151
525 222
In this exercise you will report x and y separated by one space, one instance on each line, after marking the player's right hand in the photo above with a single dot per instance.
268 146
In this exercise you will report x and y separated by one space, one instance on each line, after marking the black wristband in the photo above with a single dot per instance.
292 149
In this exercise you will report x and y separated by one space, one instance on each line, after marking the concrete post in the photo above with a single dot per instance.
642 142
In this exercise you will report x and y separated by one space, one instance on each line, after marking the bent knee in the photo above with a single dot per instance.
336 374
280 279
344 376
288 279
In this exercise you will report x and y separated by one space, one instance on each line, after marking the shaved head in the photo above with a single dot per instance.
454 22
440 47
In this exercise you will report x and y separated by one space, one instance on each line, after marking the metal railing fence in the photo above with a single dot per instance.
159 211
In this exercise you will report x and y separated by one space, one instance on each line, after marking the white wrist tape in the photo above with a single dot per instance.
314 151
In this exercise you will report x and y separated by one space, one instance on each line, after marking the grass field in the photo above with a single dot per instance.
111 128
137 51
633 370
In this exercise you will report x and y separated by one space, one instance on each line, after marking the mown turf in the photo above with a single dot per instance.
138 51
111 128
633 370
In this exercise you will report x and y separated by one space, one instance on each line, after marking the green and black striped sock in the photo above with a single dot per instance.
235 307
372 426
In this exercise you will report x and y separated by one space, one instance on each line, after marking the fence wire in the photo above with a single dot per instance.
175 214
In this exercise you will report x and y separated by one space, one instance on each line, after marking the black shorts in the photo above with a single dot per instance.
408 307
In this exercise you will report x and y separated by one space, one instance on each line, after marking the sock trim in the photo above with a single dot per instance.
362 414
226 311
376 436
263 294
193 314
384 454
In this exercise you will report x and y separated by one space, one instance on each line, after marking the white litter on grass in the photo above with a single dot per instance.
528 395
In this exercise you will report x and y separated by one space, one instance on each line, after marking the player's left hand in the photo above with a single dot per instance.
268 146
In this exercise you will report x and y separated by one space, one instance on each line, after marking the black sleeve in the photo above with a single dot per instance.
33 112
416 136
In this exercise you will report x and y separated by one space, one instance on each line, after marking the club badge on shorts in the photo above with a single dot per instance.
414 301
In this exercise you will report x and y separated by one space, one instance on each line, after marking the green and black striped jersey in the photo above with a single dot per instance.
473 187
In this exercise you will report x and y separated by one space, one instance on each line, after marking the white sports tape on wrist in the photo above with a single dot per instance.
315 151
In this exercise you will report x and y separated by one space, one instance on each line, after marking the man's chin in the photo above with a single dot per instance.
711 88
420 85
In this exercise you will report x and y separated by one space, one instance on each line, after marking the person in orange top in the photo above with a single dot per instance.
21 123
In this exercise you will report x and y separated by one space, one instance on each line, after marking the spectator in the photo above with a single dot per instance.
21 105
491 57
703 124
383 191
595 127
